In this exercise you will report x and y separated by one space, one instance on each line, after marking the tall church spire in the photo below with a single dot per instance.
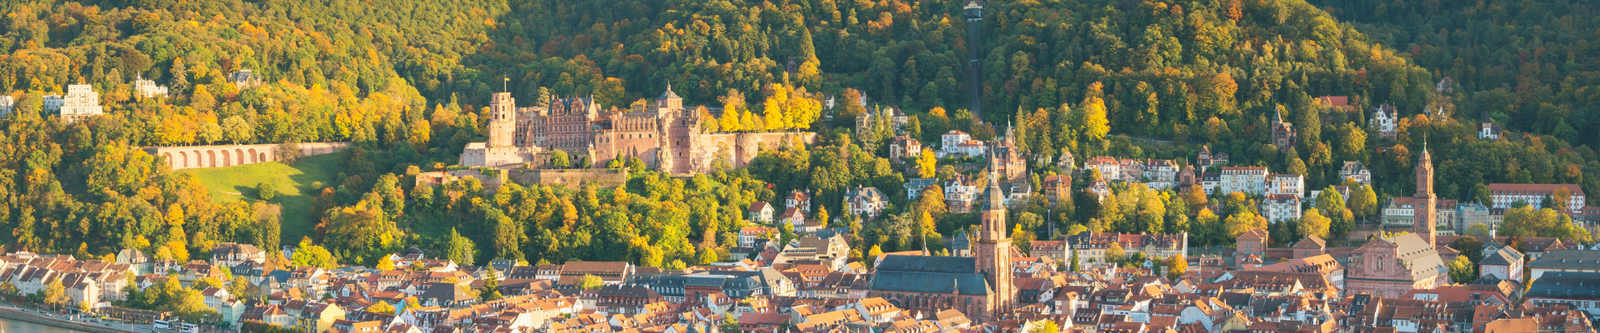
1425 202
993 250
993 194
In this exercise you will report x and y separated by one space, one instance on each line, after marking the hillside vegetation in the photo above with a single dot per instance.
294 184
405 80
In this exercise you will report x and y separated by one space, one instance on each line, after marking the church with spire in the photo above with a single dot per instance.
980 285
1391 266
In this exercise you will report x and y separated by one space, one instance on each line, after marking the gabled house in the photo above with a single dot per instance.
798 199
760 212
1057 188
232 254
904 147
959 194
793 217
269 314
1385 119
865 201
1354 170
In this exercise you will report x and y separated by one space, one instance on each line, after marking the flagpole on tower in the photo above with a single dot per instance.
505 87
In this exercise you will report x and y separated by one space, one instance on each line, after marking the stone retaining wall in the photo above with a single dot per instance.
54 322
192 157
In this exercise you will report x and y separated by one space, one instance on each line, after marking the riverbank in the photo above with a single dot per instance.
36 318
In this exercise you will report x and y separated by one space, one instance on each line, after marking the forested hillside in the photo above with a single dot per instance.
406 80
1530 65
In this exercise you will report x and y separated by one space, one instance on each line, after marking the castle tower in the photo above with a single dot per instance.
974 14
502 120
669 101
1426 202
993 251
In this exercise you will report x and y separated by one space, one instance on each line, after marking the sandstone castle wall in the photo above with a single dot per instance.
193 157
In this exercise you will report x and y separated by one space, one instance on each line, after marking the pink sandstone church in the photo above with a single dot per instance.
1389 267
664 134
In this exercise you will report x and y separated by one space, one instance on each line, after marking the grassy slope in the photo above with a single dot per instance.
228 184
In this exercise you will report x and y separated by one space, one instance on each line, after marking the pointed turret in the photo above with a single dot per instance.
1425 201
993 250
993 194
1010 135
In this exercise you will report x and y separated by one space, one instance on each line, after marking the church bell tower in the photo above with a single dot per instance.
1426 202
993 254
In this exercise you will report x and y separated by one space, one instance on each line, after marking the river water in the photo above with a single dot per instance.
18 326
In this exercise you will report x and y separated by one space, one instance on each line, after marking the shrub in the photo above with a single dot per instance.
266 191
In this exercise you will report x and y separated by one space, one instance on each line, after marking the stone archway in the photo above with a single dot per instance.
211 156
253 158
199 160
171 164
185 158
226 159
263 157
239 155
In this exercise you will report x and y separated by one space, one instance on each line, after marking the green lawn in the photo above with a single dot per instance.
228 184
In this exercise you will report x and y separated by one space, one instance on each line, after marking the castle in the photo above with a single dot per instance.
665 135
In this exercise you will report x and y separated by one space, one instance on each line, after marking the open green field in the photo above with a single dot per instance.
228 184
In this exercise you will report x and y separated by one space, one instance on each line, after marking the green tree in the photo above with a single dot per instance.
180 76
1470 247
1461 270
308 255
460 249
1478 230
590 282
1313 223
1095 125
381 308
491 285
560 160
1176 266
1115 253
237 130
54 293
1561 199
266 191
1363 202
927 164
1045 326
1240 223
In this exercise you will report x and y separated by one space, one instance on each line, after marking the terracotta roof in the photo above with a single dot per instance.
1254 233
1311 242
1532 189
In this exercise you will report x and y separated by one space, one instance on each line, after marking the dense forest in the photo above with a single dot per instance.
407 80
1526 64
